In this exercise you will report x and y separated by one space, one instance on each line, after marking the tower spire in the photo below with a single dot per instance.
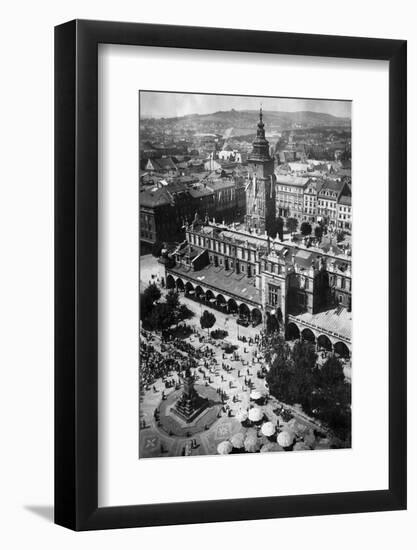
260 149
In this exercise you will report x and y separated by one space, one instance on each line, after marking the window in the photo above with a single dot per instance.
273 295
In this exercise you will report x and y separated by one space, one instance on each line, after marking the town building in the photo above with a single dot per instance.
328 197
226 195
344 213
304 292
166 207
157 216
310 199
290 195
164 210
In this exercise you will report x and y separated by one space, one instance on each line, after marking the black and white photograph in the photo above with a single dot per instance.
245 274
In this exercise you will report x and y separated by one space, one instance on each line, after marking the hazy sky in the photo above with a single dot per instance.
169 104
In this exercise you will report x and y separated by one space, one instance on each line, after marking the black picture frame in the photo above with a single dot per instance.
76 272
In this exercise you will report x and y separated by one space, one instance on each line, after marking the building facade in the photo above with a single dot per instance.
303 292
310 200
344 213
328 197
290 196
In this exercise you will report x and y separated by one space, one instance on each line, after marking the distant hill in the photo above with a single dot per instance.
248 119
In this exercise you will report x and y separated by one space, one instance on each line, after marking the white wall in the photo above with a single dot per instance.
26 300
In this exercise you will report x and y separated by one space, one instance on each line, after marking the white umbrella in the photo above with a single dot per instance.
237 440
268 429
241 415
255 395
255 414
285 438
224 448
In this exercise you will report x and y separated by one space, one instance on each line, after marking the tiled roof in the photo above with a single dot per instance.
224 281
297 181
332 185
196 192
337 321
157 197
345 200
215 185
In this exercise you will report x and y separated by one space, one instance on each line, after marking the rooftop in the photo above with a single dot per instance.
224 281
215 185
164 163
238 233
297 181
155 197
200 191
337 321
345 200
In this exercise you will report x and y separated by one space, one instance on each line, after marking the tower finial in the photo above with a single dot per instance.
260 113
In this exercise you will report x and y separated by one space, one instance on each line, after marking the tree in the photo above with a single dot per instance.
160 318
184 313
280 373
152 293
333 397
271 324
294 377
331 374
172 299
304 357
318 232
280 228
145 306
157 249
340 236
207 320
291 376
277 350
292 224
305 229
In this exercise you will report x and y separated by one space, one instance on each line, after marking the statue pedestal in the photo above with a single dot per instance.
190 404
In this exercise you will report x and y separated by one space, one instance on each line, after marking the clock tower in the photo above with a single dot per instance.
260 189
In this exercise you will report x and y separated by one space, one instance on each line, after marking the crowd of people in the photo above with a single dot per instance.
154 365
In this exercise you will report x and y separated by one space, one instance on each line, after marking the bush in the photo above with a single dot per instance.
219 334
305 229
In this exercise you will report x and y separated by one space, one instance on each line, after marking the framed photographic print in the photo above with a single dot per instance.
230 275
